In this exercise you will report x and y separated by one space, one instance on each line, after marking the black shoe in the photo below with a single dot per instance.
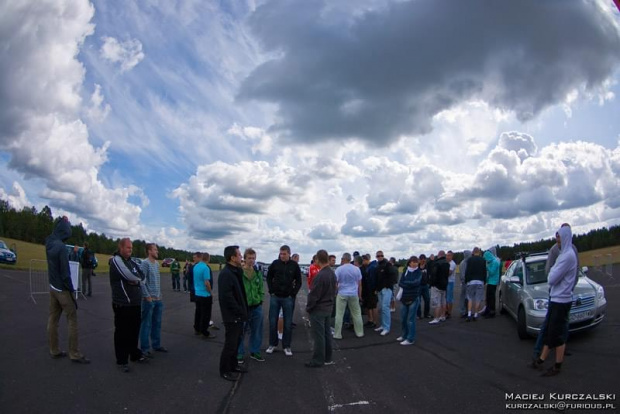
210 336
148 355
535 364
231 376
468 319
239 369
313 365
553 371
82 360
161 349
143 359
59 355
124 368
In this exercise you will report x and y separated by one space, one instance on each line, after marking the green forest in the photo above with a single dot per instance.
34 226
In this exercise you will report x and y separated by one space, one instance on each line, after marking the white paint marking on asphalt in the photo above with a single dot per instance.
336 406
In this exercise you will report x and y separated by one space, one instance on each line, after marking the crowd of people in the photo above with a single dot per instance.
338 296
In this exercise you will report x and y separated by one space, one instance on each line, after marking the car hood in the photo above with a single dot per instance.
585 287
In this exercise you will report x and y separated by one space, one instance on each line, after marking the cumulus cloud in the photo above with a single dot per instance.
222 199
17 197
40 102
381 75
127 54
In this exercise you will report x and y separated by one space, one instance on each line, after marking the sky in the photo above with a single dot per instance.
402 126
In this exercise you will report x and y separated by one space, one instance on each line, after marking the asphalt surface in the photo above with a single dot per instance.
455 367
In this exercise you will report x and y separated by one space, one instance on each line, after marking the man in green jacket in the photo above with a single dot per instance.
175 271
254 290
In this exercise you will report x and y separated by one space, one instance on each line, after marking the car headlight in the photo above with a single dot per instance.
600 293
541 304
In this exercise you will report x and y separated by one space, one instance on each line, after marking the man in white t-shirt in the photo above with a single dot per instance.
349 285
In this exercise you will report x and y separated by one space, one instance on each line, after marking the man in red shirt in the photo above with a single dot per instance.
312 272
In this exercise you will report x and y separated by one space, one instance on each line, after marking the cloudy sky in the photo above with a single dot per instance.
406 126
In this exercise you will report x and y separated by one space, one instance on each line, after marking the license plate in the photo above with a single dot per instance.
578 316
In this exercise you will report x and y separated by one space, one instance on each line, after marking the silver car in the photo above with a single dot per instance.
524 294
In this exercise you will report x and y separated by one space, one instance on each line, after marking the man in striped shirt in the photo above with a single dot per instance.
152 306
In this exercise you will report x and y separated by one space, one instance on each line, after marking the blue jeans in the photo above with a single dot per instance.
275 304
386 316
254 328
426 295
407 318
450 293
150 327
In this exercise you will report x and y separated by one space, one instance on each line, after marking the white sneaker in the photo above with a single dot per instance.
442 319
378 329
288 352
405 342
400 339
270 349
329 362
384 332
279 336
434 322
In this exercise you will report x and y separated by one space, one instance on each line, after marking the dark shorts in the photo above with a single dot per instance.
557 324
370 301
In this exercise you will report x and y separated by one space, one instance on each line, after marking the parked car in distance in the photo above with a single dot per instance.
7 255
167 262
524 294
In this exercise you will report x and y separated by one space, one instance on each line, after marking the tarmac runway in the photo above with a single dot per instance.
455 367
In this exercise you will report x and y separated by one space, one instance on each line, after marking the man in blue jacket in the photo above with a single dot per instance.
61 292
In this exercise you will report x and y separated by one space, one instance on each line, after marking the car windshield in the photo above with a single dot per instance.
536 273
2 245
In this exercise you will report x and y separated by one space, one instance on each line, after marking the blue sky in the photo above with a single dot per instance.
406 126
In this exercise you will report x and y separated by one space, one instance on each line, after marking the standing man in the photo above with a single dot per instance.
561 282
349 286
234 309
424 289
175 272
475 275
74 256
313 270
463 294
61 293
284 281
387 276
126 279
451 280
493 269
319 306
254 292
185 272
203 295
440 271
369 296
87 270
152 306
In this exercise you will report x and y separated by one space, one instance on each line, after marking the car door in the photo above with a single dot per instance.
513 289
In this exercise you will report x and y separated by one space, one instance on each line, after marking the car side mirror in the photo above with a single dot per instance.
584 269
514 279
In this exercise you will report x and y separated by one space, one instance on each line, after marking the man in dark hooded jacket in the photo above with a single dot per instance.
61 291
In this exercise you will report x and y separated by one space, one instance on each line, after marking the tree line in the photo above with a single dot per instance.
34 226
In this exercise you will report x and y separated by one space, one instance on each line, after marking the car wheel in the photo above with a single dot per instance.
522 324
500 300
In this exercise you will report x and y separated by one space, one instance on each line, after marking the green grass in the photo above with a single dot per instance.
31 251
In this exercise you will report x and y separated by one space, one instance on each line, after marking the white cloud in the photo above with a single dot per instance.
17 197
127 54
41 129
98 111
